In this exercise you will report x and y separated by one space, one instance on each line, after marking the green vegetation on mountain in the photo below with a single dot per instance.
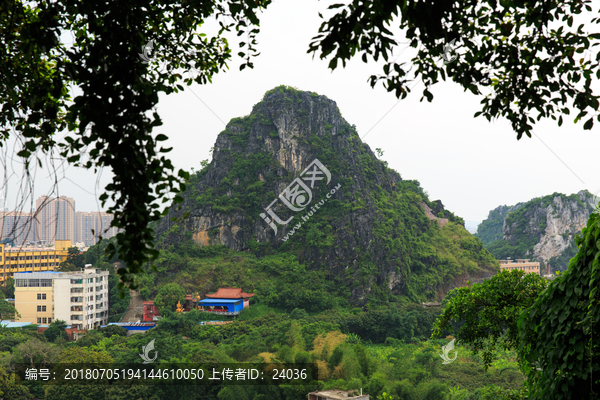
404 368
395 253
514 232
490 229
554 326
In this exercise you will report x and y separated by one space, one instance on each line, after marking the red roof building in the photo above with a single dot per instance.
232 294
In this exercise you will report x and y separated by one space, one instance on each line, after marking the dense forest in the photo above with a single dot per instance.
386 349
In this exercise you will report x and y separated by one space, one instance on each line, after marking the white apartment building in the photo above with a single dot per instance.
78 298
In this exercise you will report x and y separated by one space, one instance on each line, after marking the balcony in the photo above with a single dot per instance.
76 299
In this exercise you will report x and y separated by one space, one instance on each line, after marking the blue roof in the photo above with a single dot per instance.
10 324
226 301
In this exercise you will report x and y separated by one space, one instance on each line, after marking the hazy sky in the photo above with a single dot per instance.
470 164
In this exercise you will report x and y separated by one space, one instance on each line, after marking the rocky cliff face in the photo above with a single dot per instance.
542 229
294 176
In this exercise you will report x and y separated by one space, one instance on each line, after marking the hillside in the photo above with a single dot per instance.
355 229
542 229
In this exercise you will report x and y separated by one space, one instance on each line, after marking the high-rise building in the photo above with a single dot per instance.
55 219
17 227
78 298
89 226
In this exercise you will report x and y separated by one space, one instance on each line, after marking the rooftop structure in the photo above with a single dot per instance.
522 264
134 327
338 395
231 294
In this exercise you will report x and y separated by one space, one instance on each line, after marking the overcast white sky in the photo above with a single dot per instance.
470 164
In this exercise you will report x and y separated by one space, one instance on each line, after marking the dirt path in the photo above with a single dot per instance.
134 311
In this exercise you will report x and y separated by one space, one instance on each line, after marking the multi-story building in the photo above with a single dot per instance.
78 298
31 259
19 227
521 263
89 226
55 219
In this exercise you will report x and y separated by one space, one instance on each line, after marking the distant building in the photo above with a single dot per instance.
221 306
134 327
89 226
521 263
35 259
335 394
151 313
55 219
232 294
18 227
78 298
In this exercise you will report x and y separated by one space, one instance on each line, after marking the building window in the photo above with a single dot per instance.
45 320
49 320
44 257
34 283
39 320
46 282
39 308
20 282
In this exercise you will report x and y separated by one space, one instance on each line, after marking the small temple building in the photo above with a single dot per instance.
226 301
150 313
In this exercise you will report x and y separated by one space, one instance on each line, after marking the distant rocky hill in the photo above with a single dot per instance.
294 177
542 229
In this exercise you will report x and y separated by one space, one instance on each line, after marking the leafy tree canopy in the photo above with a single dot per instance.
518 53
168 296
7 311
56 330
74 261
560 333
524 56
490 311
112 120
